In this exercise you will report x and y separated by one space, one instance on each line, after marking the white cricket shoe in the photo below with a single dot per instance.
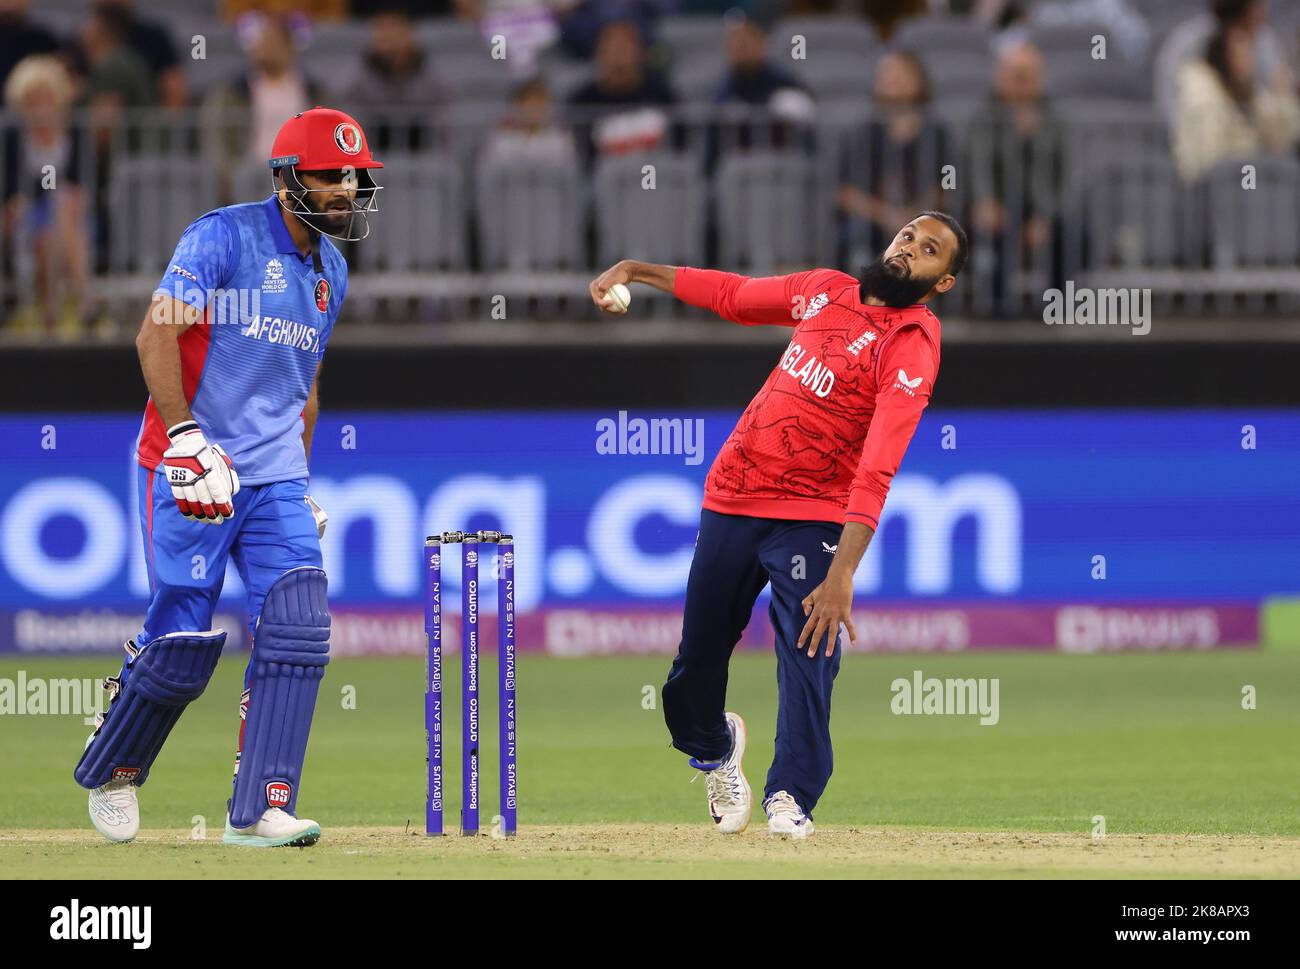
275 829
115 811
114 807
730 800
786 818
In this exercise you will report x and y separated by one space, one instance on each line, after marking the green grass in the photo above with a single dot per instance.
1157 743
1280 623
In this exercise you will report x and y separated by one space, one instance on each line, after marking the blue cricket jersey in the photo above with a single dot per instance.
248 366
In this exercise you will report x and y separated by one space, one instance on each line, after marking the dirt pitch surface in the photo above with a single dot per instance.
658 851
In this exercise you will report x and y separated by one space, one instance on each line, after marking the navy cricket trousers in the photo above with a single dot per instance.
735 557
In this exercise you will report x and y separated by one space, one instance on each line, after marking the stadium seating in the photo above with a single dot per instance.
420 226
663 224
530 217
1259 227
766 223
948 34
723 194
153 200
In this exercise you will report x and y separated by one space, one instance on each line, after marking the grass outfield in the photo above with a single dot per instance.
1189 783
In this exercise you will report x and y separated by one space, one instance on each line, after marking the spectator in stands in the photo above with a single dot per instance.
529 131
116 78
1017 159
751 76
320 9
153 44
583 22
890 169
757 86
1224 111
888 14
1190 40
44 206
621 109
242 116
20 37
394 87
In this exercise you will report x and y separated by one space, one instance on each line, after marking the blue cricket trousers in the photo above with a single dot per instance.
735 557
272 531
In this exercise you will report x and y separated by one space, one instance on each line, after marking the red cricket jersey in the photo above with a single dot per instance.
822 439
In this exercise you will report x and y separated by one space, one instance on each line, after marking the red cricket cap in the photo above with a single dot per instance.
322 139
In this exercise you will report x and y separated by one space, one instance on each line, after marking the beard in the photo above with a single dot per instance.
886 283
324 219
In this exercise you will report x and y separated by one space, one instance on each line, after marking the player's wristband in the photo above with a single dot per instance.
184 427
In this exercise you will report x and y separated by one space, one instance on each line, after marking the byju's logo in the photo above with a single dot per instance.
97 923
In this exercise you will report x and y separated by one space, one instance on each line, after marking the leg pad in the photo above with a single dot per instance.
168 674
290 650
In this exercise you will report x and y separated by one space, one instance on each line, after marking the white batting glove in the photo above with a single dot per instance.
318 513
202 479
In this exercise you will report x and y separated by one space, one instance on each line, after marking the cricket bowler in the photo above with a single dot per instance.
222 453
795 496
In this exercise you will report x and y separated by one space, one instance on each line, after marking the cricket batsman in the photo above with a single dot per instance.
223 454
795 495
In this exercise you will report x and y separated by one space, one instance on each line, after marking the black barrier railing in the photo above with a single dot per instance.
685 373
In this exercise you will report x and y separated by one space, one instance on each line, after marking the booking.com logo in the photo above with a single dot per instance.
607 546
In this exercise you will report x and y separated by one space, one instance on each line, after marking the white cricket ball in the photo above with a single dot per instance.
620 297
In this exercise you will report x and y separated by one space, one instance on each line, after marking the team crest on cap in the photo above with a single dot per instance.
322 294
348 137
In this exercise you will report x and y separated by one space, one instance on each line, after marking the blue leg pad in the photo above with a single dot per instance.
165 677
290 650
